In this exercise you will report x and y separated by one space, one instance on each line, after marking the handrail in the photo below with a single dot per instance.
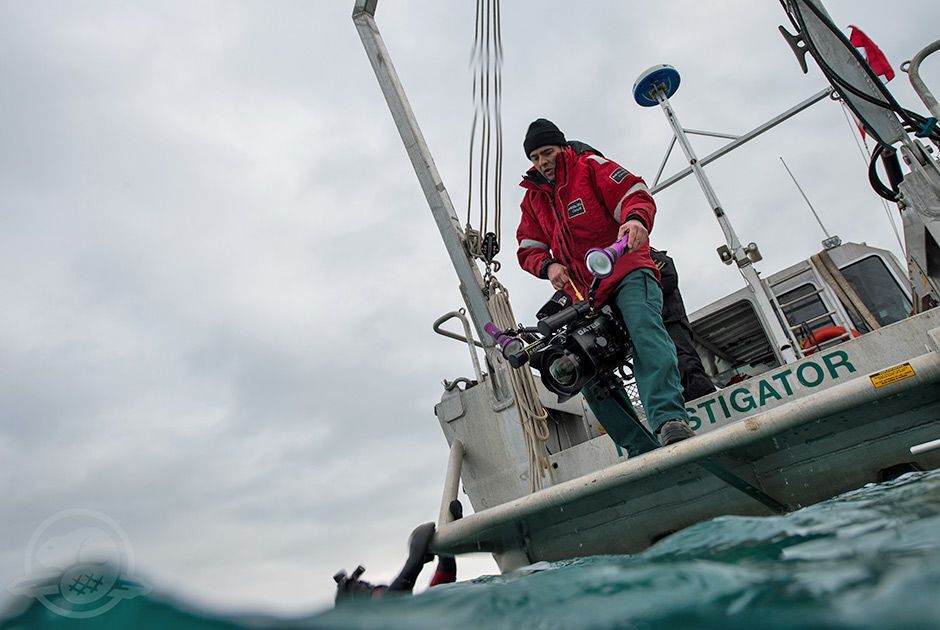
912 68
451 483
468 338
446 333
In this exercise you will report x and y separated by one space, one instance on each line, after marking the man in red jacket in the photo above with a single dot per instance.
576 201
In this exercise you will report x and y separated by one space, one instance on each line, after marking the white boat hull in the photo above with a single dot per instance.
849 419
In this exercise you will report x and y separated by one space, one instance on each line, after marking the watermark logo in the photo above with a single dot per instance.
79 564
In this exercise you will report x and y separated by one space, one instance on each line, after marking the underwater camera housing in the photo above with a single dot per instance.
571 345
350 587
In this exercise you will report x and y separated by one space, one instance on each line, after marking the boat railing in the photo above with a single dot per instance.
499 403
451 483
467 337
912 68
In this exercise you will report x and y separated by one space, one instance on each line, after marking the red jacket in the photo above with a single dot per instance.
591 198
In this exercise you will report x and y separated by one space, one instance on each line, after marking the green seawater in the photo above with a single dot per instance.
867 559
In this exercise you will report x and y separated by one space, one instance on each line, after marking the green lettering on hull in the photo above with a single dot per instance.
843 361
810 374
766 391
707 406
751 404
782 377
818 374
773 388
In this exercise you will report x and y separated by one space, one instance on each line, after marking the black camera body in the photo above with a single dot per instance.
592 344
578 343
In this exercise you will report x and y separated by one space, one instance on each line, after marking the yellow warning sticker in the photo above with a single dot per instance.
892 375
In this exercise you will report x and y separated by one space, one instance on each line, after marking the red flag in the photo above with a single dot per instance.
858 123
876 59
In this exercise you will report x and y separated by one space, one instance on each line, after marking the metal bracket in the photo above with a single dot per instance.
798 44
468 338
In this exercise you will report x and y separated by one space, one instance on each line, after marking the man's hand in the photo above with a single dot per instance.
638 235
558 275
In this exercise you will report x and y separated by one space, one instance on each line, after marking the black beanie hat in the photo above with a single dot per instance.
541 133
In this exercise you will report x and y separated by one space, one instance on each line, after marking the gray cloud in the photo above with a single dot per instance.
219 273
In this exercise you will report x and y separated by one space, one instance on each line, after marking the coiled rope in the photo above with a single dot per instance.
532 414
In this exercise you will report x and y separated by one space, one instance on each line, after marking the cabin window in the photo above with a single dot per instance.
878 289
803 305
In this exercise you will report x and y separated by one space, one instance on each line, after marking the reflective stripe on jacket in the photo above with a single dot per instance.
591 198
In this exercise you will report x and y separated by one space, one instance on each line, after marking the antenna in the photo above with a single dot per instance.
830 241
654 87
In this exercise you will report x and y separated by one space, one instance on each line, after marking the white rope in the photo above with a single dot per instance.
532 415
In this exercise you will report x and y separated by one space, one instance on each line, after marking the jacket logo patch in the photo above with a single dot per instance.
575 208
619 175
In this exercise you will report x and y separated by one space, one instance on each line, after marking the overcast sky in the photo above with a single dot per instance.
218 271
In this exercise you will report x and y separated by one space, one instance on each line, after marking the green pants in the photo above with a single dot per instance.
640 300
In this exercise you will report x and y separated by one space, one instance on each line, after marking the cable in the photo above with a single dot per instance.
875 180
796 19
497 192
484 103
865 156
486 135
474 54
912 120
831 74
486 145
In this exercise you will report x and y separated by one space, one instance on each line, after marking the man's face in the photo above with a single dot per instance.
543 159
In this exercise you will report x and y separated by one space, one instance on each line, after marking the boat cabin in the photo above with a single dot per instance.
842 292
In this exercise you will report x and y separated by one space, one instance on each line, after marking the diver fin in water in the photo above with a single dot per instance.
418 555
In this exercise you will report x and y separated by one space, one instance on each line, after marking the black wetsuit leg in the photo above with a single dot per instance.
616 414
418 556
695 381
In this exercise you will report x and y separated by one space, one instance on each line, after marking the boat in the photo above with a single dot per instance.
828 371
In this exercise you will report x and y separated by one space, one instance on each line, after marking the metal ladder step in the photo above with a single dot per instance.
802 297
830 314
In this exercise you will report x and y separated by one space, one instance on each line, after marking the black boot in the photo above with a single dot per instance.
674 431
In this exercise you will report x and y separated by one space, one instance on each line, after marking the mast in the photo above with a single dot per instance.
917 192
442 208
655 86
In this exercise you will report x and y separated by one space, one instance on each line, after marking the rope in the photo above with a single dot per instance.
486 153
532 415
486 128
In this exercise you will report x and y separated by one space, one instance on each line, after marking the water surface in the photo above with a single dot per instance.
869 558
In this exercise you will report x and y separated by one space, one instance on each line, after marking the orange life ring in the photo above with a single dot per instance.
826 333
